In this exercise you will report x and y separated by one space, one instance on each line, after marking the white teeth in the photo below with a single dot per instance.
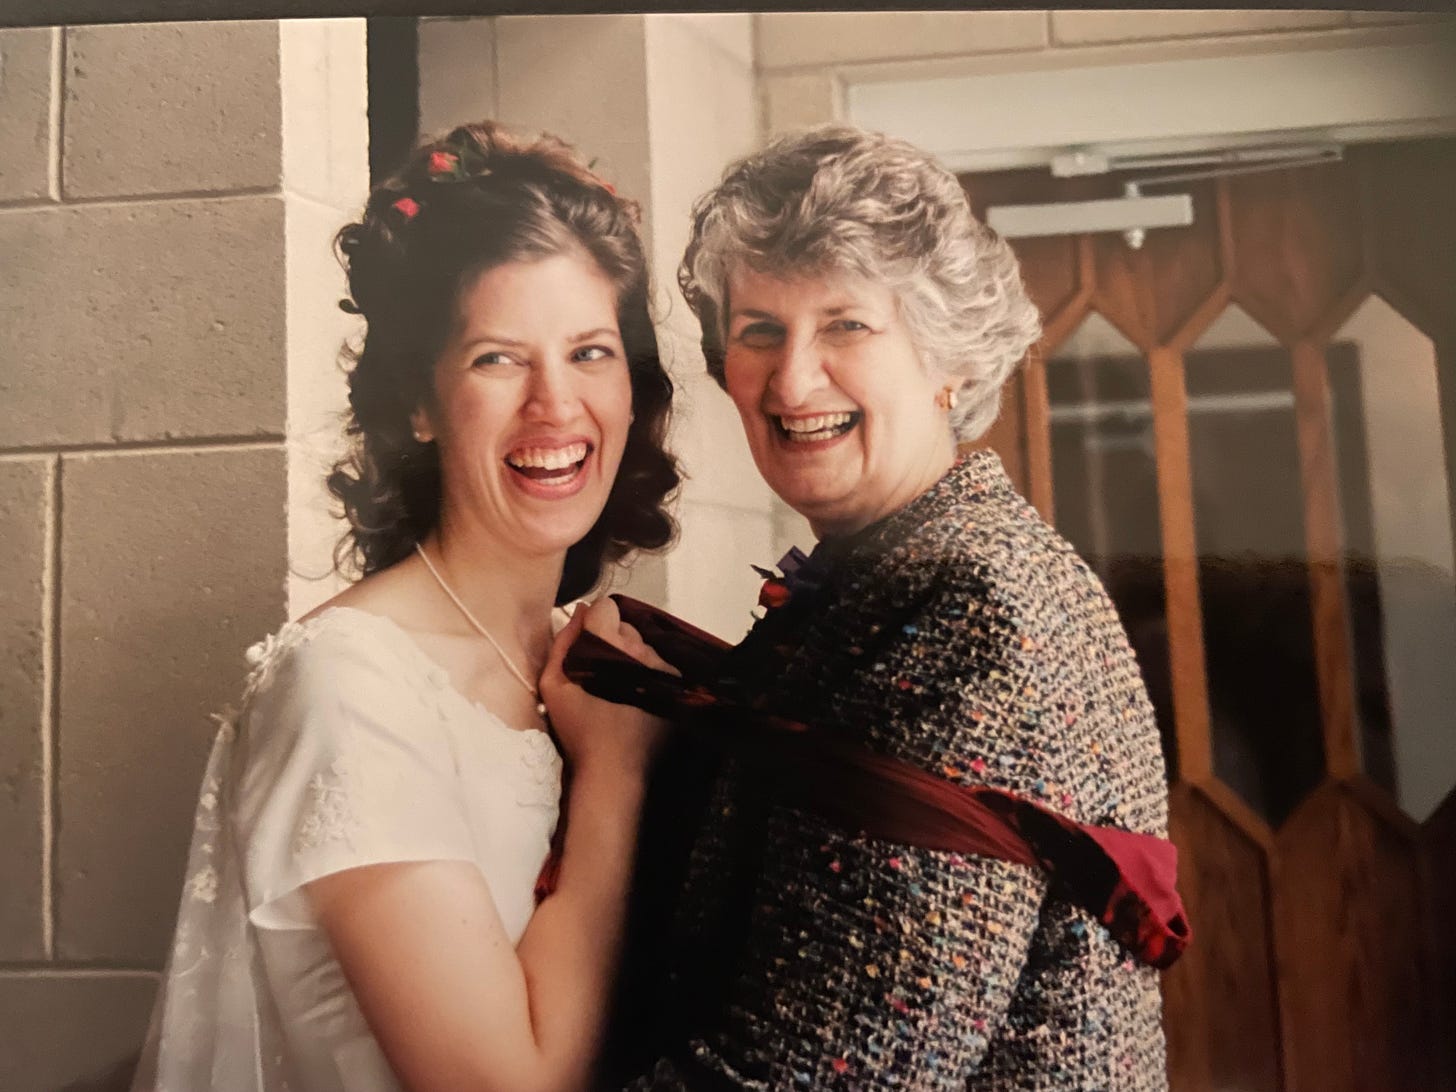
805 430
548 458
805 427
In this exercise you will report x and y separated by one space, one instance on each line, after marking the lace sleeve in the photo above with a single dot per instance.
348 764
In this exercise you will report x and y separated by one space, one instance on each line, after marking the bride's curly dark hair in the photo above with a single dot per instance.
474 200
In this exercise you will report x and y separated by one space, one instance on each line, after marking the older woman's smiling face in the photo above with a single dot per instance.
841 414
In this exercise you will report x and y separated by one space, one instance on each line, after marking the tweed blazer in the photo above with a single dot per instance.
964 635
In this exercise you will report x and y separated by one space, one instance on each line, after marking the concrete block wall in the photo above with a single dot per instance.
146 345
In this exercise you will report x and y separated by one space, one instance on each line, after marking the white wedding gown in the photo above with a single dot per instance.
351 748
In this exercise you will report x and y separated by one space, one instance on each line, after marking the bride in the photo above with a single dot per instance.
360 909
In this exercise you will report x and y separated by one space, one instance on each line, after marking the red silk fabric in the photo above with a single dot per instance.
1124 879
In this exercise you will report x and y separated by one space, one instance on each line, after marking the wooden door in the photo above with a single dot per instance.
1248 426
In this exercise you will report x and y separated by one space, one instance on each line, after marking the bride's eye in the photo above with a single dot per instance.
588 353
486 359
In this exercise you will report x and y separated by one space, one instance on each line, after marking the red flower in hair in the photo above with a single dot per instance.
407 207
443 162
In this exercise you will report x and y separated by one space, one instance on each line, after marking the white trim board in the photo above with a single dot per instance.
1007 119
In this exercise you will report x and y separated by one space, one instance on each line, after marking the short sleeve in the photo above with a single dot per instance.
346 765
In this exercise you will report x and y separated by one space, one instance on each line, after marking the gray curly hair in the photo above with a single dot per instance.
843 200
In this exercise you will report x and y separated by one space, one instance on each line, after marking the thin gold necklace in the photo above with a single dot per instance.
505 659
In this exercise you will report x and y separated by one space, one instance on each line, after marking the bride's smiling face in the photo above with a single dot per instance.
532 401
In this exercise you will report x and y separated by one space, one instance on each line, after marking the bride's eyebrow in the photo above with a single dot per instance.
600 331
487 338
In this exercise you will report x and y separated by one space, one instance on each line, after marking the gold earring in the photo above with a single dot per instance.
946 398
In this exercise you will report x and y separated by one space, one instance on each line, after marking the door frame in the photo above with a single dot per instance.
960 126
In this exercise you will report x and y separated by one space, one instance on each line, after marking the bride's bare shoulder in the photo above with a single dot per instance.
391 593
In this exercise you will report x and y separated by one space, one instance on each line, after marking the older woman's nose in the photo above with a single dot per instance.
798 373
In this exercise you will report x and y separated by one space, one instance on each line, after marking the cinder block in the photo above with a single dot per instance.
797 101
171 108
731 32
26 149
317 396
1379 18
707 435
457 73
142 321
172 565
72 1033
795 39
790 529
324 75
1073 27
644 578
584 78
25 491
710 578
703 115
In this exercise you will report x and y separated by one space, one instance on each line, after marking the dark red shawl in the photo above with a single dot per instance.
1126 880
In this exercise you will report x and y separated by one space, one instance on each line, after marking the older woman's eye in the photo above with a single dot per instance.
761 335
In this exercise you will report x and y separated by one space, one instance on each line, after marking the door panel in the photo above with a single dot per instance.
1249 428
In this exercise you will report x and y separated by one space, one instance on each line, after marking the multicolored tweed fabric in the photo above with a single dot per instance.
964 635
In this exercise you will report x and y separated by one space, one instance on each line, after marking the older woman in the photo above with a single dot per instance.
360 914
943 645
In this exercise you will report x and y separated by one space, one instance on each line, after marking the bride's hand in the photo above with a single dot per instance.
593 731
604 620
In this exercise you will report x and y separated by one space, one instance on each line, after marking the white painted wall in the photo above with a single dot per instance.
325 181
701 115
978 75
